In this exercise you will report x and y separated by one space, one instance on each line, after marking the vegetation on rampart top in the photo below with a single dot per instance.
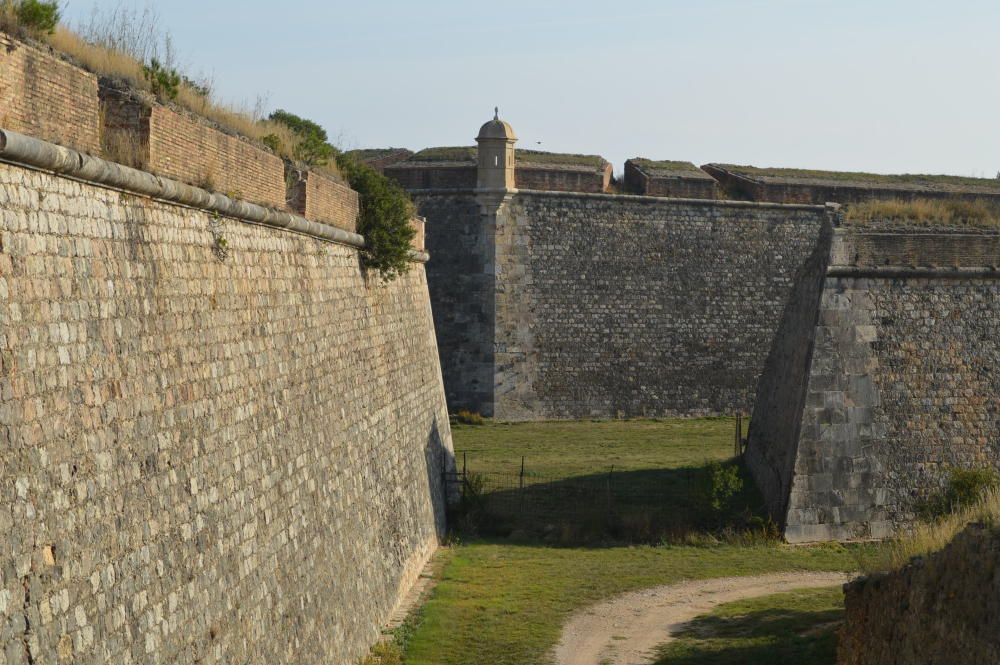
470 153
36 17
386 210
559 158
130 46
926 212
935 182
445 154
652 166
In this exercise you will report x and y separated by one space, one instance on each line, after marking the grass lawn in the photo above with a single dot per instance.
504 603
634 481
782 629
579 448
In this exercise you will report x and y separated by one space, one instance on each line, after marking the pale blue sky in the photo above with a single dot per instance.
880 85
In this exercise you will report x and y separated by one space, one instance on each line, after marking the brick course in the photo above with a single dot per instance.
48 98
321 198
179 145
184 148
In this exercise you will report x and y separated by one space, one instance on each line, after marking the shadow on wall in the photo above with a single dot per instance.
439 460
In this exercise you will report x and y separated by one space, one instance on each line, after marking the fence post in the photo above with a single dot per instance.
465 476
739 434
609 492
521 488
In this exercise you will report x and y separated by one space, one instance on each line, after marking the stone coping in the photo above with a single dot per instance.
640 198
34 153
913 272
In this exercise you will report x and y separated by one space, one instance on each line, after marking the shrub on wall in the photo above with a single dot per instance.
384 221
34 16
386 210
965 487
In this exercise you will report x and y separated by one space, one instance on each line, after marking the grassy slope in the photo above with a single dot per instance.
504 603
782 629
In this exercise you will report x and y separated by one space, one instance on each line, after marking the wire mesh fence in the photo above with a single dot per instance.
632 504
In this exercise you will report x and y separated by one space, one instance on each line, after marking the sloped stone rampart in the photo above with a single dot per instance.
942 609
218 442
901 384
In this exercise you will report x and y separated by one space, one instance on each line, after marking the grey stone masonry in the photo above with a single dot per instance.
903 375
638 306
219 443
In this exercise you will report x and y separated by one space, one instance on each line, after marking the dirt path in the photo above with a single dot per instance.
625 630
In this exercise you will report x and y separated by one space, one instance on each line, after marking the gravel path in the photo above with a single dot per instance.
625 630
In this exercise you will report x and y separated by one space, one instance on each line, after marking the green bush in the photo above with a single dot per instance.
720 485
314 148
384 221
165 82
386 210
964 488
469 418
37 16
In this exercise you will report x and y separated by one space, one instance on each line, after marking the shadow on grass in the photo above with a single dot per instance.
763 637
648 506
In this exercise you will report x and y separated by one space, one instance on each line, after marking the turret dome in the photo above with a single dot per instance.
496 129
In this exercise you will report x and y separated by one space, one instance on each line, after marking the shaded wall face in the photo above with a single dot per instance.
943 608
774 427
204 458
615 306
461 279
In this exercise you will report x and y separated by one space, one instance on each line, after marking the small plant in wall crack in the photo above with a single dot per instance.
220 246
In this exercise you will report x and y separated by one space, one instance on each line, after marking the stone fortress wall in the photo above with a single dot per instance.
900 382
624 307
865 351
219 442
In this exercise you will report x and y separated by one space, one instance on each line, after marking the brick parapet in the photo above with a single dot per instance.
42 95
679 185
144 134
321 198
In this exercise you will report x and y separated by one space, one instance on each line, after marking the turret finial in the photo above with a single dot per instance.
496 112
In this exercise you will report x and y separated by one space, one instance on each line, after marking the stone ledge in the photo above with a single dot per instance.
34 153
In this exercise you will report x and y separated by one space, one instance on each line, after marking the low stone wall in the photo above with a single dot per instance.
321 198
942 609
553 178
416 176
791 190
902 374
218 442
44 96
683 184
